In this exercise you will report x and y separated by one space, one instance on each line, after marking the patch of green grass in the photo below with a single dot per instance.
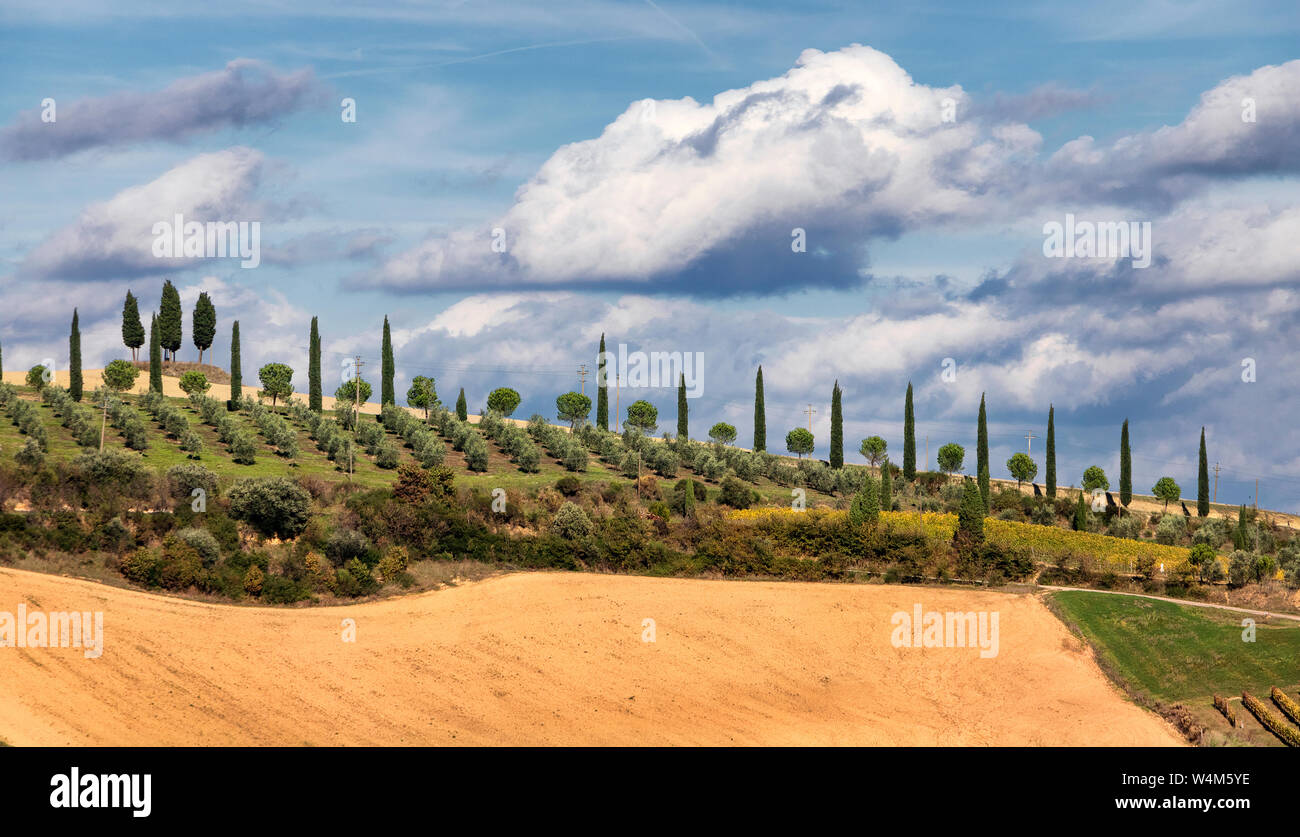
1180 653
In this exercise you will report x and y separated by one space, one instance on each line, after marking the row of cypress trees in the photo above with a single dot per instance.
203 321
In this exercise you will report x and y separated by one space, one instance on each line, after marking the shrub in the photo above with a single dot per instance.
387 456
393 565
30 454
183 479
575 457
476 452
202 542
571 522
274 506
970 517
243 449
735 494
528 458
345 545
1170 530
865 510
568 485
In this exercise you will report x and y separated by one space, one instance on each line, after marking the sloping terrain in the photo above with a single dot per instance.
535 659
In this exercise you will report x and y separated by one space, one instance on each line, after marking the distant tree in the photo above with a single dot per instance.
760 414
970 516
315 392
236 376
462 407
1095 478
1241 535
1201 557
1022 468
683 428
74 359
951 457
873 449
799 441
602 388
909 437
837 427
1125 468
132 329
155 355
120 375
347 393
203 322
169 320
722 433
1203 482
504 400
865 509
573 407
886 486
1050 474
1166 489
642 416
388 394
194 382
277 381
1081 514
423 395
36 377
982 454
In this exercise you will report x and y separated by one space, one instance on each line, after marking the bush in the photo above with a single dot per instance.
568 485
202 542
183 479
735 494
575 457
387 456
30 455
476 452
571 522
346 544
274 506
865 510
243 449
1170 530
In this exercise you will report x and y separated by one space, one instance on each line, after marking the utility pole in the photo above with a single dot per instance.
582 376
810 412
1256 493
617 379
1216 482
356 410
1029 437
927 451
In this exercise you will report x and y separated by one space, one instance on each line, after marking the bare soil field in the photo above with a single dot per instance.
551 658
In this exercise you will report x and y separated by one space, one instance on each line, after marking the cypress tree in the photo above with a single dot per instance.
203 322
132 328
1240 536
886 486
837 428
865 510
74 359
909 437
683 431
169 319
1203 482
688 500
1050 468
155 355
970 516
1081 515
313 368
1125 467
602 390
462 409
236 377
387 393
982 455
760 415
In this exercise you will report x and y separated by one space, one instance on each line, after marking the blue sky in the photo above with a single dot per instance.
671 231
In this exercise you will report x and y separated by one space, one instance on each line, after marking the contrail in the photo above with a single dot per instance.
470 58
675 22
